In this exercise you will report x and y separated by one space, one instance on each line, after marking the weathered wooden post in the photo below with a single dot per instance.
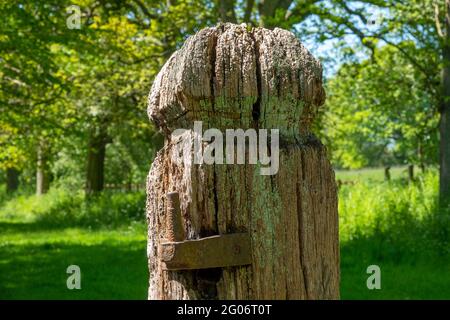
238 234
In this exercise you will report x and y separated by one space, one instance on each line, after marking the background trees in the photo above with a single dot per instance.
380 114
73 121
68 93
73 101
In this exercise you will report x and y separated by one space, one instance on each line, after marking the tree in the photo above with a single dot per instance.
334 18
444 177
427 24
423 22
89 82
109 85
30 81
63 86
11 156
380 113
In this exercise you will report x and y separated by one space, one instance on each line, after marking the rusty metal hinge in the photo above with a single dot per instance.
224 250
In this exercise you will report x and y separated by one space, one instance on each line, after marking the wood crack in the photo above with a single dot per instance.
256 108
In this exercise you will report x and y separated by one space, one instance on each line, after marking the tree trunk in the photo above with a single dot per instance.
267 10
226 11
42 169
411 172
387 173
229 78
423 168
421 157
96 162
444 172
12 180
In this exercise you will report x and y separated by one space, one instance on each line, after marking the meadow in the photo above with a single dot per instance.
396 225
41 236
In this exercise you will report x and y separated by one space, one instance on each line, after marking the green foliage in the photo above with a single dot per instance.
62 208
371 174
31 82
62 88
379 113
398 218
399 227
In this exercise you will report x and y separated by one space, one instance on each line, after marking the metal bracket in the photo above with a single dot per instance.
211 252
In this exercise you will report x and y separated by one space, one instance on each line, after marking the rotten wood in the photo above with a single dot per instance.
232 77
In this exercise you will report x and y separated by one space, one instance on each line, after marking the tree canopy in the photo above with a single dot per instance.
73 99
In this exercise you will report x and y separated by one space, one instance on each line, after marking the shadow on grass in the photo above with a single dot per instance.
43 224
401 228
41 237
112 265
107 271
406 273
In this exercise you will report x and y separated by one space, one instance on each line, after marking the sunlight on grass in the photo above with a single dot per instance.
34 254
396 225
113 264
372 174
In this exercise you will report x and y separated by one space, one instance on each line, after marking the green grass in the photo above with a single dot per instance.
395 225
423 279
35 250
62 208
399 227
33 263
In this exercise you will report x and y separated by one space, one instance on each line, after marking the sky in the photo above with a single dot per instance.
329 51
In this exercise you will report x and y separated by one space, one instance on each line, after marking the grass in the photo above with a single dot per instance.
421 280
372 174
33 264
36 249
395 225
399 227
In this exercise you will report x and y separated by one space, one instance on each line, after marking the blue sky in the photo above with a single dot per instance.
329 51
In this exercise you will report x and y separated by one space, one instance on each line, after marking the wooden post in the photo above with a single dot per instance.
230 77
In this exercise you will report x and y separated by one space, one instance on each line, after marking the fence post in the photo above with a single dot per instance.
234 77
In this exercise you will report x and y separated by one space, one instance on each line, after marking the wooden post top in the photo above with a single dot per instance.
234 76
